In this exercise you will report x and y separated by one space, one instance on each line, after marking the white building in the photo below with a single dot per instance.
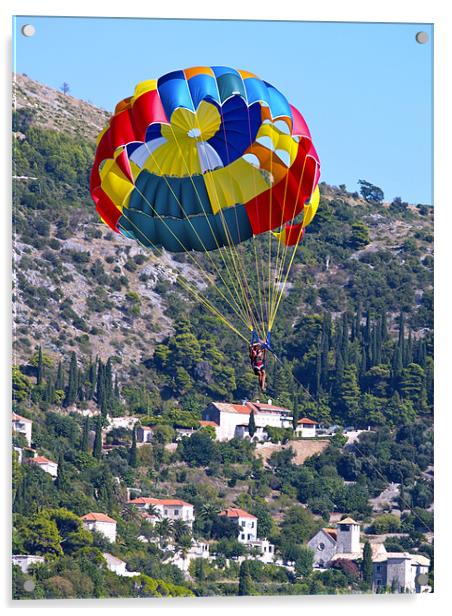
24 561
165 508
265 550
402 570
101 523
45 464
118 566
125 421
197 550
227 417
23 426
144 435
306 427
246 522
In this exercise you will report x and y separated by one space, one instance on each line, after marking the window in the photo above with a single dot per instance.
252 524
378 568
321 547
249 537
176 512
165 512
243 524
242 536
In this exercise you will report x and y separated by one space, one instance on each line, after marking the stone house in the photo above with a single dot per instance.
408 571
166 508
101 523
48 466
227 417
23 426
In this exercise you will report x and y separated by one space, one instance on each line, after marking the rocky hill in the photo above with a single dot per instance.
80 286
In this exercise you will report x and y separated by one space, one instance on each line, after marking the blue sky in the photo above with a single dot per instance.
365 90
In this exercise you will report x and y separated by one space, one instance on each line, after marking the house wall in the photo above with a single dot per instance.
322 555
52 469
107 529
348 538
399 569
306 431
23 427
248 529
24 561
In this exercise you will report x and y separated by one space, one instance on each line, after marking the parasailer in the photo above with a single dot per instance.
216 163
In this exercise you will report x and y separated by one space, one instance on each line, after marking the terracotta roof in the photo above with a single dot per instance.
41 460
97 517
19 417
225 407
305 420
146 500
208 423
235 512
332 532
347 521
245 409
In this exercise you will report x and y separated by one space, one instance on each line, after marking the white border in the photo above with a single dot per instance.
434 11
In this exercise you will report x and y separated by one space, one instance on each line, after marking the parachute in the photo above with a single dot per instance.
205 161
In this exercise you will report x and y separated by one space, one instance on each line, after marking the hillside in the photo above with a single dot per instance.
103 332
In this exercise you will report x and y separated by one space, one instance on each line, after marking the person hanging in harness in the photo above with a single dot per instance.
258 354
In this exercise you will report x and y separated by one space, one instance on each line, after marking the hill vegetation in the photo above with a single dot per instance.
103 330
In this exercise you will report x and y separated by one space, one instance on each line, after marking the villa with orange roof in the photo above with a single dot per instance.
48 466
247 533
231 420
164 508
101 523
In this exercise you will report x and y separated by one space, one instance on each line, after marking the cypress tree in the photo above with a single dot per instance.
397 361
318 371
408 359
39 367
384 327
60 481
59 381
133 460
401 342
252 425
108 380
245 581
366 565
325 347
296 413
339 372
344 338
84 442
117 393
72 388
92 378
97 449
49 394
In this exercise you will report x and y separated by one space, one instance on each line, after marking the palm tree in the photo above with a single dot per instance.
180 529
209 511
164 529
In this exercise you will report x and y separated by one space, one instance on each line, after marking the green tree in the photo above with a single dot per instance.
370 192
84 442
252 425
72 388
133 459
61 479
359 236
246 586
304 561
97 448
366 565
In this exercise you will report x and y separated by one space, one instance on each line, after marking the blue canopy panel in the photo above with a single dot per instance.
238 129
158 195
229 82
279 105
174 92
203 87
202 233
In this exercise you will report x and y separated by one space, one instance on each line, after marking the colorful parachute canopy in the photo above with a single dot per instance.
204 158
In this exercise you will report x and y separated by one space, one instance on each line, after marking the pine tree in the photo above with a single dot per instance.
84 442
97 449
366 565
39 367
72 388
252 425
245 581
133 459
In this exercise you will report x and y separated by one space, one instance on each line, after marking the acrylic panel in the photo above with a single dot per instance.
223 308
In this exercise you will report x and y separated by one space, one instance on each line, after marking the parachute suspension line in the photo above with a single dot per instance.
242 298
234 254
262 289
184 284
189 253
278 261
286 251
239 310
